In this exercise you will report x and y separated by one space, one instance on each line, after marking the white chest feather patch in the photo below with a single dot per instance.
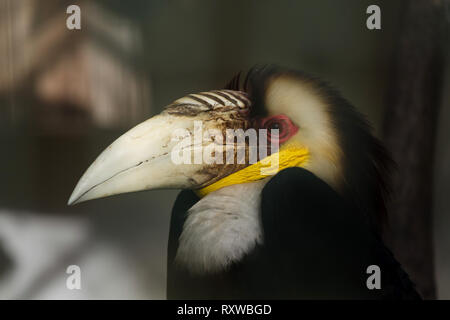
221 228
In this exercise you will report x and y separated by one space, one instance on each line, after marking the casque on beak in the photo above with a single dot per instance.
143 157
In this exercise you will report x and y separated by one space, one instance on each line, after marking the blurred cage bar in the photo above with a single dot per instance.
75 78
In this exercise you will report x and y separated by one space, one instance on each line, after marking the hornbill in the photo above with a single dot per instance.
309 229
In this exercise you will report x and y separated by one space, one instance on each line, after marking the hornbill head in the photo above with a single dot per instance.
186 146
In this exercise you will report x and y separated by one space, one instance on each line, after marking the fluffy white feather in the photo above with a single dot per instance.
221 228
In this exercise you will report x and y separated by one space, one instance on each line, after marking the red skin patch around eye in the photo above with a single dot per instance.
286 127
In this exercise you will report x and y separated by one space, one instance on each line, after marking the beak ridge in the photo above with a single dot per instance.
141 159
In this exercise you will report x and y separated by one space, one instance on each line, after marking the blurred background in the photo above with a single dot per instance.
66 94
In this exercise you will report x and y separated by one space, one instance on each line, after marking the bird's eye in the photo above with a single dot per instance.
286 128
275 125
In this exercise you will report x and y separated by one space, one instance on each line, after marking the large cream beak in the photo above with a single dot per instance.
141 159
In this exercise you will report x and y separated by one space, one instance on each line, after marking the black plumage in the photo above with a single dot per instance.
319 250
318 241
